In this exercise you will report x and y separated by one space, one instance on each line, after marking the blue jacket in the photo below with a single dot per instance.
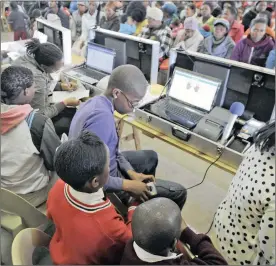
73 6
271 60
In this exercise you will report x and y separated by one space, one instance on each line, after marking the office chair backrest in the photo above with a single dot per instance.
25 243
11 202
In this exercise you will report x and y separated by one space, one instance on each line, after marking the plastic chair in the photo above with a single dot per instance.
14 204
25 243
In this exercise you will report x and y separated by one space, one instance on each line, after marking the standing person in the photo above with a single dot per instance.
17 22
158 31
76 25
110 21
190 37
236 29
158 228
43 59
33 25
131 169
219 43
245 220
260 6
206 18
256 47
29 140
56 8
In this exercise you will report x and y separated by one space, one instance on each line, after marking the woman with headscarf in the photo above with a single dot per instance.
219 43
256 47
170 13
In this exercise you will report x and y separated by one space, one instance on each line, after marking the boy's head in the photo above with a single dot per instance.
17 85
127 86
156 226
83 163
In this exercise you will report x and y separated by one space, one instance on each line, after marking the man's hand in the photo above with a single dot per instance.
140 177
137 189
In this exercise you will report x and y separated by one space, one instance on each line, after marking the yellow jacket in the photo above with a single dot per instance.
140 26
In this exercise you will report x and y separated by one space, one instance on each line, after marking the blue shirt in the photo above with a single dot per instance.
271 60
96 115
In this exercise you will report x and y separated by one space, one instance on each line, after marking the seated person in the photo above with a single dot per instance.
158 31
256 47
236 29
176 26
110 21
126 87
158 228
137 11
29 140
190 37
89 231
269 31
271 60
170 13
219 43
206 16
43 59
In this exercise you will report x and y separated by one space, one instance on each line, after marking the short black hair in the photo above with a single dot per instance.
233 11
14 80
137 11
161 3
156 225
80 160
46 54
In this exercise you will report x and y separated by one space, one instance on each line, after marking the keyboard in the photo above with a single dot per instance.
93 74
182 116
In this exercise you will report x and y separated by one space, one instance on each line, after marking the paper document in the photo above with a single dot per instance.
148 98
59 96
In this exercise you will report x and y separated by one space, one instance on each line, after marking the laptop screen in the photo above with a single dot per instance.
194 89
100 58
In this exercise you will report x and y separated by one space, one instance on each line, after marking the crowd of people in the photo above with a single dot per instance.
239 30
80 177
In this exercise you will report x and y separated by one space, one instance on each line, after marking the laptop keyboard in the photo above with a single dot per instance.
184 113
93 74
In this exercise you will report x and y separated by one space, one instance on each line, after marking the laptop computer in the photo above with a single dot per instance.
99 63
190 97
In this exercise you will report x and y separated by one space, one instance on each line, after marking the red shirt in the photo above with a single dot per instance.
236 32
85 234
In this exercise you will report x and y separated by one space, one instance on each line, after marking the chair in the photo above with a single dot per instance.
12 203
25 243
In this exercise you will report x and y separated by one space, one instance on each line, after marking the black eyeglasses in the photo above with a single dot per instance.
132 104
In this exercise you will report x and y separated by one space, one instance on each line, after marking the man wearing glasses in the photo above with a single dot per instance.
130 170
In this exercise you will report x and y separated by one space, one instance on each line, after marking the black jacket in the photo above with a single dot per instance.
247 18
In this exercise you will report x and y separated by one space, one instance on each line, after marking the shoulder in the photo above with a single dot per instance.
56 191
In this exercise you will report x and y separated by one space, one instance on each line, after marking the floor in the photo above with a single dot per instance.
181 167
187 170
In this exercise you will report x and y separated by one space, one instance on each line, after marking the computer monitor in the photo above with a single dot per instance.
194 89
133 50
57 35
251 85
100 57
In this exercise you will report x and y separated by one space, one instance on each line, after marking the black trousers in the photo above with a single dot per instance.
146 161
63 120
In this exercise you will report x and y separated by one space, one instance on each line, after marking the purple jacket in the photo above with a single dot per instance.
247 51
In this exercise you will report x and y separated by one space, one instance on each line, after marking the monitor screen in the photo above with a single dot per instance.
99 57
194 89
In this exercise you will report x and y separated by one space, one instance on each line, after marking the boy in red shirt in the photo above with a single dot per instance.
88 228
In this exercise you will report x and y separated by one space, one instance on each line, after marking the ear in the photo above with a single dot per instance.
95 182
115 93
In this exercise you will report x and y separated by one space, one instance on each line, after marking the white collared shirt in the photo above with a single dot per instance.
151 258
88 198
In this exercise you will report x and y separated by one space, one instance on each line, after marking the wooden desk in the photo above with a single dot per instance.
136 126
